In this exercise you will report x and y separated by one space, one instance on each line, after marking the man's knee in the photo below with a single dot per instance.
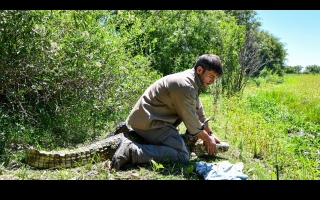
184 157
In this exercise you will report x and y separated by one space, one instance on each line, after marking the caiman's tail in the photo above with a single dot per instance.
98 151
101 150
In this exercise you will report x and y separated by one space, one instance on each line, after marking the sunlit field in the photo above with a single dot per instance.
275 125
273 128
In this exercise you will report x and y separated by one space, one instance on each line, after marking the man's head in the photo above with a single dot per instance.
209 68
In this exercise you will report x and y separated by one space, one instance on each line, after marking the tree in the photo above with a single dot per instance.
259 50
250 60
245 17
173 39
272 50
313 68
293 69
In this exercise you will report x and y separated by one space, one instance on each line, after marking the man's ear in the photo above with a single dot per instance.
199 69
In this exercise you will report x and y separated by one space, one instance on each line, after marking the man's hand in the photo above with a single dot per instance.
209 142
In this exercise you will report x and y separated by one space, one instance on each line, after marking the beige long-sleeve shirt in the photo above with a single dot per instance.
168 102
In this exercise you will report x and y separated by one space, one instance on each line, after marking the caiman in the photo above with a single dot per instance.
102 150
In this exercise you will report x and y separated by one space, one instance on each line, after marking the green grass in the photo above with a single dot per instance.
276 122
274 129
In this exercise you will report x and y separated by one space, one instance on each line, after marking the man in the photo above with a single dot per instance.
162 107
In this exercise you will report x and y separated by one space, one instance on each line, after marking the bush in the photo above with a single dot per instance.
67 72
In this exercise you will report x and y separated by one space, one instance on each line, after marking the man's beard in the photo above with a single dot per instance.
202 81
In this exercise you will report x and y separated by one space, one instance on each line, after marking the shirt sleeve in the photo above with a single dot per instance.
200 112
185 100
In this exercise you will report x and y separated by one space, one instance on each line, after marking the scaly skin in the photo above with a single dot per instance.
98 151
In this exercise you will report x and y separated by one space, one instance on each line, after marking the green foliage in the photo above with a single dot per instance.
272 123
259 49
293 70
64 72
272 51
173 39
313 69
190 169
245 17
156 166
68 77
267 129
267 76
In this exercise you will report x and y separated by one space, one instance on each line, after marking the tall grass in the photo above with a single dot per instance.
278 124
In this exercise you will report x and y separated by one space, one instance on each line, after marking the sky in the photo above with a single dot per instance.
298 30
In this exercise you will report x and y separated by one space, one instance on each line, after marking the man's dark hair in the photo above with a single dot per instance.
210 62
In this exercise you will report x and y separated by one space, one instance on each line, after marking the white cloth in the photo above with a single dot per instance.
221 171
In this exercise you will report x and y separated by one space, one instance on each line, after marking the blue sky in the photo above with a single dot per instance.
299 30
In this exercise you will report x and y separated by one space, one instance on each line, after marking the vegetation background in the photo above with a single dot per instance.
69 77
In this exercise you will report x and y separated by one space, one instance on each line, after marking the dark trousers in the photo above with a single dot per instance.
164 144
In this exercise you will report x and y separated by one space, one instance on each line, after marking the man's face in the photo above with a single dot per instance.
207 77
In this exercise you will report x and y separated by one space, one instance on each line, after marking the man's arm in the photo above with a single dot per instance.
209 140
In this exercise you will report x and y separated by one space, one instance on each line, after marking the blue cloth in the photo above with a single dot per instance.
221 171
